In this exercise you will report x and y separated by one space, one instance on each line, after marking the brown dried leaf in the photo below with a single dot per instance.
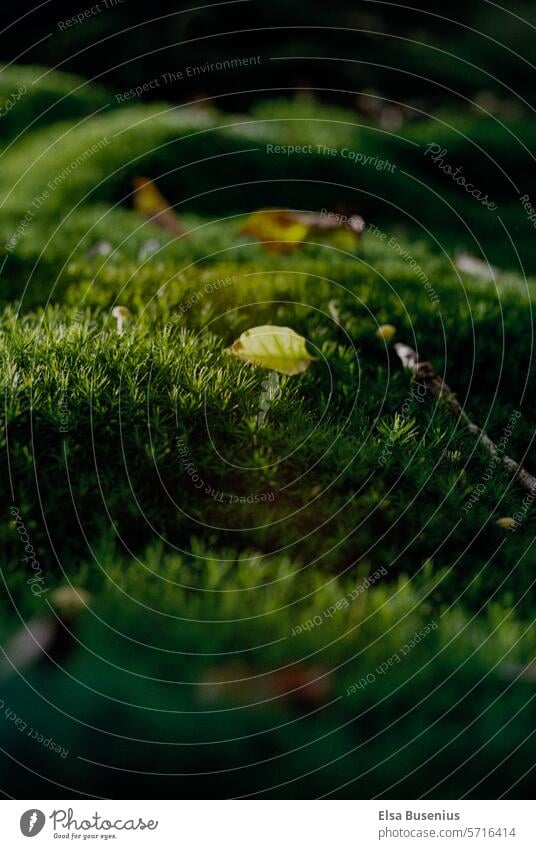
304 686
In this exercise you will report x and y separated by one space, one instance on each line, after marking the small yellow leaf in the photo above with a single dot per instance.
506 522
149 202
272 347
386 332
70 599
280 231
345 239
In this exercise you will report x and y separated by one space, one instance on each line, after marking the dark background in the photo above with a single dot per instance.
377 36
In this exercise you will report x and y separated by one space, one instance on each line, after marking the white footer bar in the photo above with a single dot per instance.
270 824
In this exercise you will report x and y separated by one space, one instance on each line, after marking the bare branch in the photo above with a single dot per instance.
423 371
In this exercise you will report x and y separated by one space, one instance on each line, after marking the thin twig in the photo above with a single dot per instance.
423 371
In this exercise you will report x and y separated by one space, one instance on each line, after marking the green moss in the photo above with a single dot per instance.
31 97
108 437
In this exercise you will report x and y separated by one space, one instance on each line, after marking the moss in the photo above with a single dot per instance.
108 437
32 97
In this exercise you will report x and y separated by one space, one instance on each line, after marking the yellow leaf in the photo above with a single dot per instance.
149 202
272 347
280 231
344 239
506 522
386 332
70 599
